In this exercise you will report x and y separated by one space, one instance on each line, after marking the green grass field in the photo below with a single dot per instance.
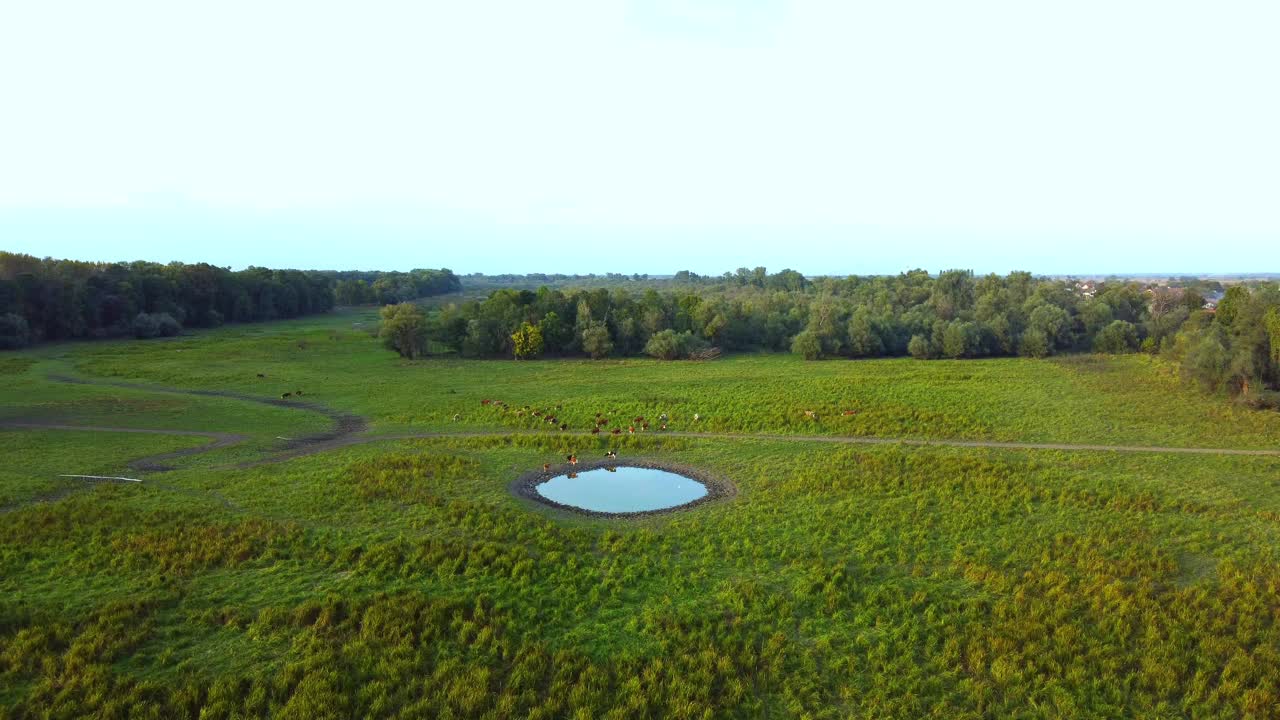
401 578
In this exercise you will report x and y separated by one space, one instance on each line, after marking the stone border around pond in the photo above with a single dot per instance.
718 488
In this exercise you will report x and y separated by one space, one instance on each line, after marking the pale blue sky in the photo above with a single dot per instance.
603 135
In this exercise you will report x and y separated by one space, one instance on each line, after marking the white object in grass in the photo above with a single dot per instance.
102 477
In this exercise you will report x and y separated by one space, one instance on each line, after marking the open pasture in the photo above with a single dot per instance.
402 578
1071 399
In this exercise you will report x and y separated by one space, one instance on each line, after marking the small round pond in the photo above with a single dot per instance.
621 489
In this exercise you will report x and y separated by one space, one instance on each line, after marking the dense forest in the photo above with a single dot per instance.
48 299
358 287
1225 340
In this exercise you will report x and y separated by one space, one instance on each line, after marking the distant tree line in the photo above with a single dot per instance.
353 287
48 299
954 314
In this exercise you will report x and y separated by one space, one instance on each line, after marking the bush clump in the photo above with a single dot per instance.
671 345
154 325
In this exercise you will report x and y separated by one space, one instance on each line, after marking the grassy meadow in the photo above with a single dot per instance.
400 578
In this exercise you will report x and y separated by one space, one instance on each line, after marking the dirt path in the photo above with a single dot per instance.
350 429
344 423
318 444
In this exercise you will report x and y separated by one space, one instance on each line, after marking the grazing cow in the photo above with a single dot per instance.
811 414
616 431
696 417
285 395
631 429
564 426
847 413
546 467
639 418
663 417
612 455
595 431
297 392
484 402
644 426
664 426
573 459
261 375
456 417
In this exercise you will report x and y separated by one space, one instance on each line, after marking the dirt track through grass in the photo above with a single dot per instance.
349 429
312 447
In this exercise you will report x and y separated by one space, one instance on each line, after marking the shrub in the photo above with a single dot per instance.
671 345
153 325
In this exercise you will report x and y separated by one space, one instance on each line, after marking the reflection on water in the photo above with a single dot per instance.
622 489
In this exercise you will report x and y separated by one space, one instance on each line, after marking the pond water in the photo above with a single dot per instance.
622 489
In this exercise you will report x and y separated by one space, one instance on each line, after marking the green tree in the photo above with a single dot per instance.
919 347
1035 343
1272 323
808 344
404 329
1053 323
527 341
596 341
1233 301
1116 338
960 339
864 341
556 335
1208 361
153 325
14 332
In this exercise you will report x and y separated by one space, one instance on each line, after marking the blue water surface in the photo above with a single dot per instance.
624 489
